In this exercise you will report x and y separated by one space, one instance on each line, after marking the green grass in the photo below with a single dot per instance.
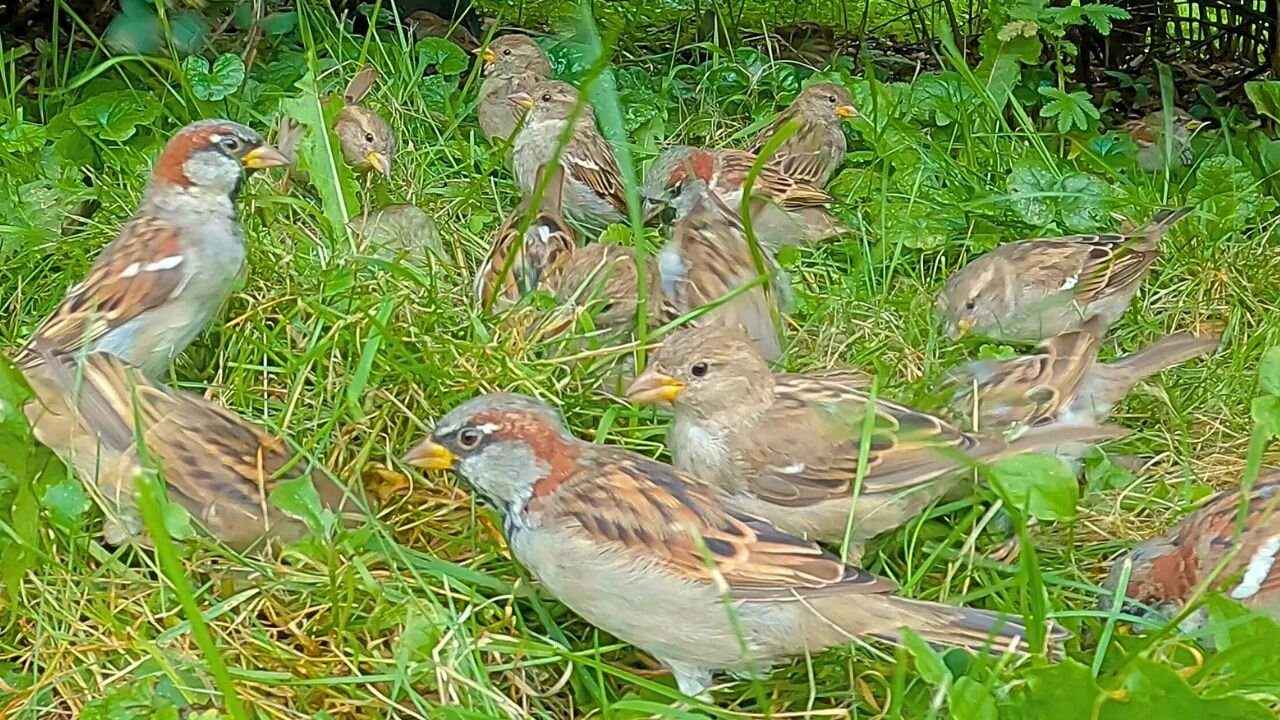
423 614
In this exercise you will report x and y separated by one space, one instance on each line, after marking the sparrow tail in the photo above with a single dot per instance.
1158 225
1111 381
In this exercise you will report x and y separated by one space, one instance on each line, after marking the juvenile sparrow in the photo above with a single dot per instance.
601 279
365 138
424 24
517 263
1029 290
785 447
1169 569
785 210
648 554
219 467
709 258
1063 381
160 282
398 230
593 191
512 64
1148 134
815 150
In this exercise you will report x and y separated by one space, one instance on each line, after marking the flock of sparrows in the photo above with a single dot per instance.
715 562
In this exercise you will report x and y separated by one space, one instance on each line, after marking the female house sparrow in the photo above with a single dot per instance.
1063 381
1168 570
593 192
709 258
365 138
648 554
785 210
602 279
548 240
1029 290
424 24
815 150
513 64
154 288
785 447
219 467
1148 134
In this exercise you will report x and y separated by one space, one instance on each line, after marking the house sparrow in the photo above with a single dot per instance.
1063 381
709 258
785 211
365 138
602 279
815 150
513 64
786 447
217 466
398 230
648 554
1170 569
424 24
593 191
1148 134
517 263
154 288
1029 290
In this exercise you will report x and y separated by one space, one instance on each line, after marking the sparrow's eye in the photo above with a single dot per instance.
546 97
699 369
832 99
230 143
970 304
468 438
506 51
368 137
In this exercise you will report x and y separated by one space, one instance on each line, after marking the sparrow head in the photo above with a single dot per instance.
826 103
602 279
366 139
501 445
676 179
212 156
511 55
708 371
975 298
551 100
1161 578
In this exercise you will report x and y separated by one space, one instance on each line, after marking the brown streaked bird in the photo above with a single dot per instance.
593 192
709 258
785 210
814 151
1148 134
514 64
786 447
1063 381
648 554
174 263
424 24
1029 290
516 263
601 279
1203 551
219 467
365 138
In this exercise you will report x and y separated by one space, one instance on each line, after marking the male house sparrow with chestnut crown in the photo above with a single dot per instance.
785 210
1148 133
512 64
785 447
814 151
648 554
517 262
593 191
160 282
1029 290
709 258
602 280
1168 570
365 138
219 467
1063 381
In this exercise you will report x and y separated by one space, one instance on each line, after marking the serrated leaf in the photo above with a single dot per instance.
1039 485
319 155
1100 16
1071 110
66 502
116 115
928 662
216 83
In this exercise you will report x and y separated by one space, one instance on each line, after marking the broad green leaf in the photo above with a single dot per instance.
66 502
298 498
116 115
1265 96
1227 196
1063 691
970 700
320 156
188 31
216 83
929 663
441 56
1083 202
1039 485
1032 195
279 23
1154 690
1266 412
19 137
1269 371
178 521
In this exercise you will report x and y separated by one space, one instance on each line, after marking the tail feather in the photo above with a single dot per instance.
1108 383
1163 220
1051 436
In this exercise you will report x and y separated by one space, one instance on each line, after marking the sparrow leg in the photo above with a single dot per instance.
692 681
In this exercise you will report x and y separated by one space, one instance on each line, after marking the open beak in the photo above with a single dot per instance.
524 100
380 162
487 55
653 387
264 156
964 326
846 111
427 455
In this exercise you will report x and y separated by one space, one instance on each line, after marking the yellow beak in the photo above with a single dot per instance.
427 455
847 111
488 56
524 100
1194 125
379 162
264 156
654 387
964 326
